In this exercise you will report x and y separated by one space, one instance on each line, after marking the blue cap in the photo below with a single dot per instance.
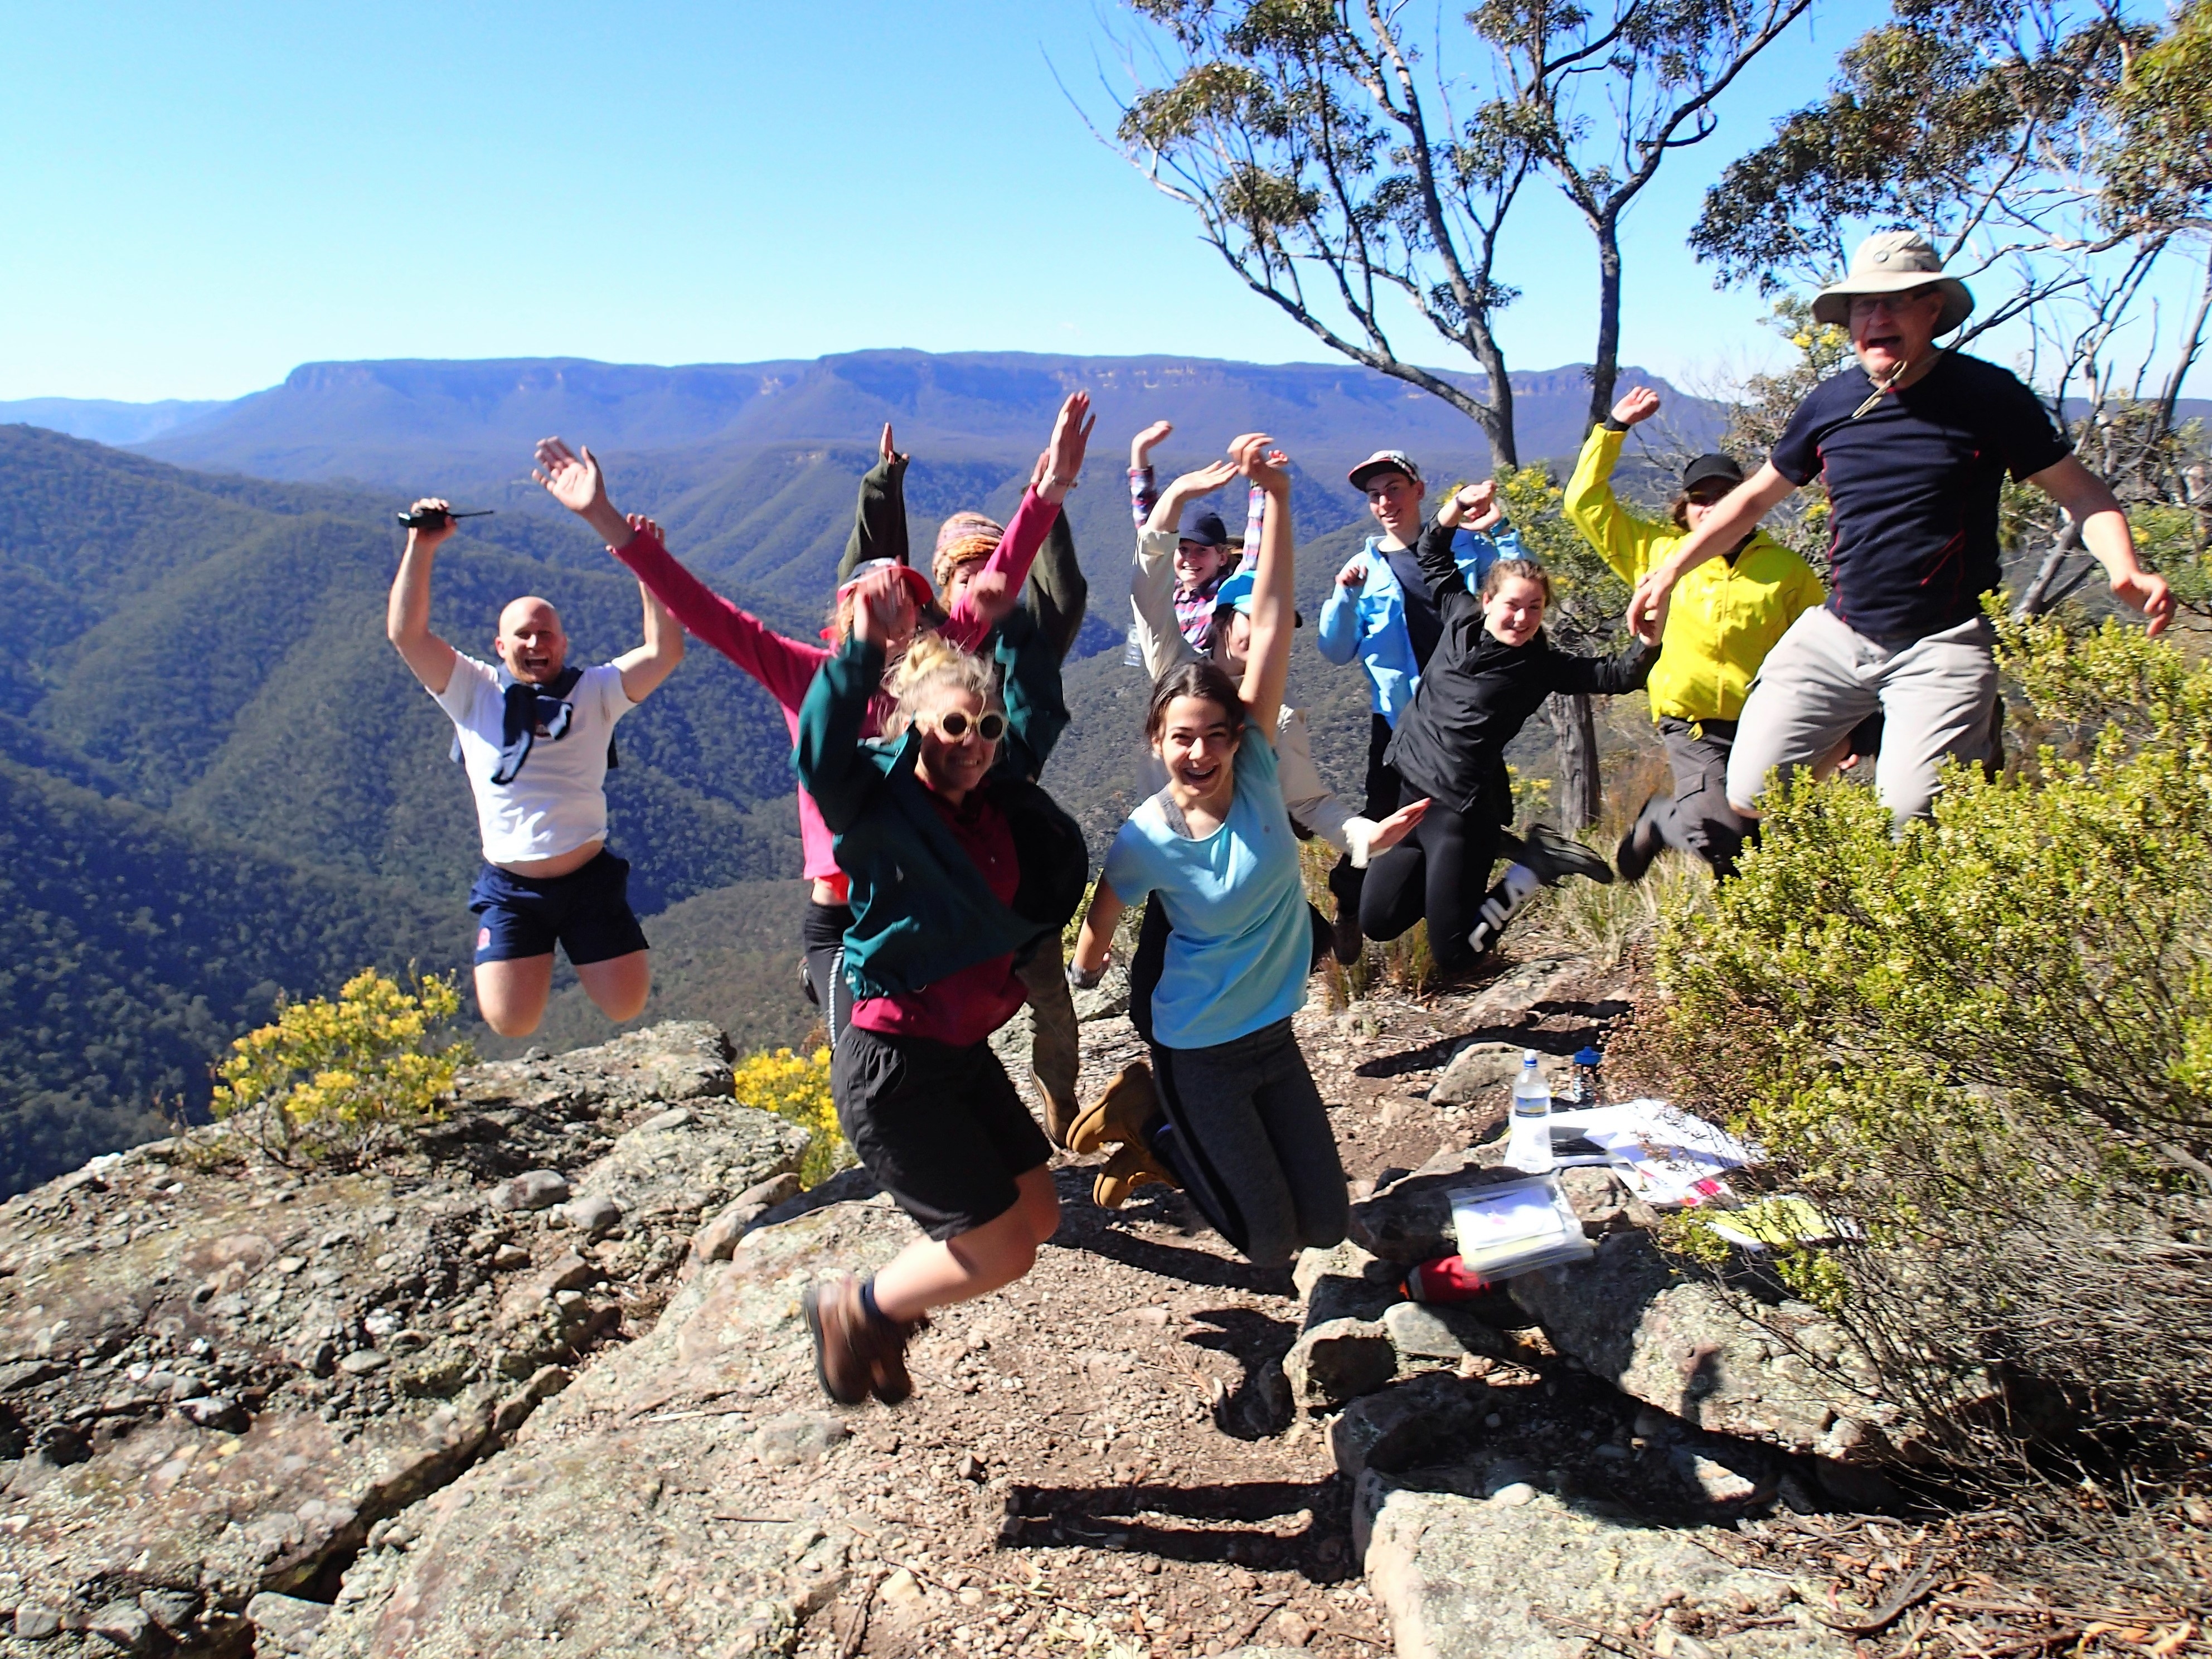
1234 592
1588 1057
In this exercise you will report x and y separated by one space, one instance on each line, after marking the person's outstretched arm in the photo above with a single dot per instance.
2089 501
1057 593
1273 611
1603 677
645 668
879 513
407 613
1622 539
828 757
1152 579
1141 494
979 610
1735 516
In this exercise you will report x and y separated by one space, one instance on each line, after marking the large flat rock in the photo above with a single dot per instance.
649 1509
1522 1574
217 1372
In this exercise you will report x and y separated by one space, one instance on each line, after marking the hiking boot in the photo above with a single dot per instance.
1132 1167
1345 938
843 1360
1554 856
1642 844
1061 1114
1119 1116
890 1381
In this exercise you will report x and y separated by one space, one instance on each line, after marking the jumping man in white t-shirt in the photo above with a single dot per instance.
534 739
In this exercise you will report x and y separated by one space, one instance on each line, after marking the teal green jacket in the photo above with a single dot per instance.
921 908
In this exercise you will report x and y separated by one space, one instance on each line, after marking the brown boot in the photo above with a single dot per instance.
843 1363
1132 1167
1119 1116
890 1380
1060 1111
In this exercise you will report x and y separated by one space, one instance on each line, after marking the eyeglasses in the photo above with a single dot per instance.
953 725
1865 304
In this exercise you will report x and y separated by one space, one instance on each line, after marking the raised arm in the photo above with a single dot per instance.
1057 593
783 667
879 512
827 756
1141 494
980 609
1475 505
407 612
1622 539
2089 501
574 478
1274 611
1735 516
645 668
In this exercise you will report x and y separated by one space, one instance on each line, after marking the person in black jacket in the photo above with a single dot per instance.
1490 671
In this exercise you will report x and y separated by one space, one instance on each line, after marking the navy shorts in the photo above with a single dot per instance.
585 912
940 1128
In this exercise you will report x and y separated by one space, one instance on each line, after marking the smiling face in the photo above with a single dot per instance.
1197 744
951 765
1395 501
1889 330
1197 563
530 642
1514 611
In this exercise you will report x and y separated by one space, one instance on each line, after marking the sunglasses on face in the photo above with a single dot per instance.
1865 304
953 725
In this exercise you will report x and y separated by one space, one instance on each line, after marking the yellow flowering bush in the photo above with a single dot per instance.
797 1087
331 1076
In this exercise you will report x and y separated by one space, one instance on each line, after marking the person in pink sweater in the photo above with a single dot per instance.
784 667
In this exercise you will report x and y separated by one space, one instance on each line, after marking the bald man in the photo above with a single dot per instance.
535 736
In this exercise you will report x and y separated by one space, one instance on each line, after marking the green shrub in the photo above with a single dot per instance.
334 1077
1985 1048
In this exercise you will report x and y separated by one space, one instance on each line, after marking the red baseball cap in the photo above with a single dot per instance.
925 596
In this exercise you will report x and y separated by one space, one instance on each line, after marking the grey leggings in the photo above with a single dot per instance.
1249 1137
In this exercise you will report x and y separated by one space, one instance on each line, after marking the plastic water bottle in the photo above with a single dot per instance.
1587 1060
1529 1145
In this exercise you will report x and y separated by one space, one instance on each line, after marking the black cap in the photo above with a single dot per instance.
1710 466
1206 528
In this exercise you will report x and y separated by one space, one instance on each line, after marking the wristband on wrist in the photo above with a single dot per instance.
1082 980
1612 425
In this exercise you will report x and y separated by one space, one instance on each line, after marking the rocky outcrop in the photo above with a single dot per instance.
218 1374
652 1508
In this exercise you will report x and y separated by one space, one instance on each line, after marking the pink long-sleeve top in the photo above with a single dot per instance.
785 666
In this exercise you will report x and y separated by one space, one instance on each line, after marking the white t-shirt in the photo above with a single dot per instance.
558 801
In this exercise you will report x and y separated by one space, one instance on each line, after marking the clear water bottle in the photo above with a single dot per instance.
1586 1062
1528 1144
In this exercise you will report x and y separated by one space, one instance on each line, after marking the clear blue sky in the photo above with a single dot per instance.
201 196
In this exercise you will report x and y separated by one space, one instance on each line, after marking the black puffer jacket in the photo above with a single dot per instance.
1477 692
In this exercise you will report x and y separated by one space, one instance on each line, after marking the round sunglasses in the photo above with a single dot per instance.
954 725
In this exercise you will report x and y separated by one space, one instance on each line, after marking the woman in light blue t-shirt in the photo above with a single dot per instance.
1237 1121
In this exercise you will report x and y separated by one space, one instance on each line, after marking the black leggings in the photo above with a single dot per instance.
1440 871
822 941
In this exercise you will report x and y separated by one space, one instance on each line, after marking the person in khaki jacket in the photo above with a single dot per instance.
1727 616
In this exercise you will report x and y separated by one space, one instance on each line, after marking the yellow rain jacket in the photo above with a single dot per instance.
1724 618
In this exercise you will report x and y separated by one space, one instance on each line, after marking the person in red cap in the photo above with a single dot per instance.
1914 442
785 666
1380 611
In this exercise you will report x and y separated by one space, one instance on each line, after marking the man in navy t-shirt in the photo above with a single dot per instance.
1913 444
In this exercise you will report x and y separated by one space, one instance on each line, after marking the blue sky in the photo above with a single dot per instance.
205 195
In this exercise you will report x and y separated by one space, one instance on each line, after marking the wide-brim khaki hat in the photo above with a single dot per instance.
1892 262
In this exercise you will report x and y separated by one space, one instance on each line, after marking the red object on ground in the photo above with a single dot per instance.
1448 1278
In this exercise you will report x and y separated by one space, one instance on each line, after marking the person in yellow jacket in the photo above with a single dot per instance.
1726 615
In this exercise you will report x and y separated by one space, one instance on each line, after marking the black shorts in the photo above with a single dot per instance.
940 1128
585 912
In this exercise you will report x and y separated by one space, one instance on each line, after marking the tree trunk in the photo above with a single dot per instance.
2042 591
1574 726
1605 362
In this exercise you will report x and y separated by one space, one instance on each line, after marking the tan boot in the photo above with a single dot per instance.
842 1363
1132 1167
1119 1116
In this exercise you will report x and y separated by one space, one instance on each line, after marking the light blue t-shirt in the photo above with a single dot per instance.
1242 945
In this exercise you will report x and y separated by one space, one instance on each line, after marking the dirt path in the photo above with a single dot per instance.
1102 1459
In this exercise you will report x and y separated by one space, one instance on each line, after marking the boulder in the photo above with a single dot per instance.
284 1625
627 1480
1427 1334
1522 1574
1783 1375
1337 1360
1475 1069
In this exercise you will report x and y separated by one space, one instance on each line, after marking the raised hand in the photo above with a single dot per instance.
1204 481
992 594
1478 505
426 537
1638 403
1142 445
1259 460
884 446
1063 456
575 482
883 608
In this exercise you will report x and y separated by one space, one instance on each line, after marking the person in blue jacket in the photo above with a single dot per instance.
1380 612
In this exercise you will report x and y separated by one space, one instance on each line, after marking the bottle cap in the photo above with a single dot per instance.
1527 1057
1588 1057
